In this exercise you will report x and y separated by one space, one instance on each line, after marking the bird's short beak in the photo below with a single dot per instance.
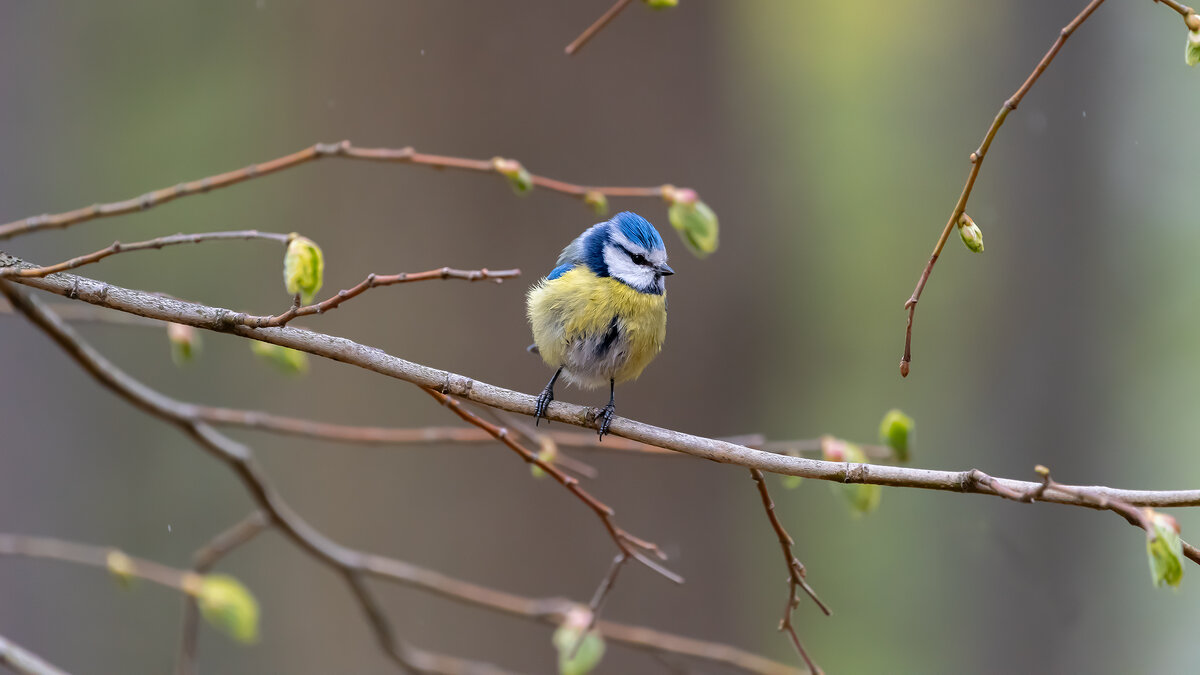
664 269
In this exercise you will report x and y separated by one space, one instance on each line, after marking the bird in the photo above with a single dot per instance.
600 316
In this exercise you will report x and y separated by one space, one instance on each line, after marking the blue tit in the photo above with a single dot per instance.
601 315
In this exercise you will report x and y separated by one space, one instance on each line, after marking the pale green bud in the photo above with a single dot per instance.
518 178
693 219
1192 54
185 343
303 267
1165 549
287 360
121 567
227 604
597 201
896 432
972 236
575 657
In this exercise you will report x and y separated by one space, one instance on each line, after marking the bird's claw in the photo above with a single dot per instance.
604 419
543 402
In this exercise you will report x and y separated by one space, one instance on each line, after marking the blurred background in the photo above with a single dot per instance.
832 141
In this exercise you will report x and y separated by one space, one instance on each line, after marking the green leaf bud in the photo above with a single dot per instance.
185 343
1164 549
693 219
287 360
575 657
228 605
121 566
971 235
303 267
1192 54
518 178
896 432
597 201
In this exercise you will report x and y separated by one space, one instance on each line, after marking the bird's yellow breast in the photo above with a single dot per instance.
596 328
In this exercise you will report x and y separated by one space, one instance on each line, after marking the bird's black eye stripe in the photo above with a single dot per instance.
637 258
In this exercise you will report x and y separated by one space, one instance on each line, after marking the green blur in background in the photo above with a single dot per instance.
831 139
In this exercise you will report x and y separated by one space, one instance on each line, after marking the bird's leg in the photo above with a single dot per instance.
606 415
544 399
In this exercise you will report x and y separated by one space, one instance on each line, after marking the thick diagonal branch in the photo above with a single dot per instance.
376 360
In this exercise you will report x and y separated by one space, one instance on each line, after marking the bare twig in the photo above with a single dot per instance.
375 281
203 561
598 25
21 660
150 244
976 158
343 149
369 358
97 556
629 545
796 573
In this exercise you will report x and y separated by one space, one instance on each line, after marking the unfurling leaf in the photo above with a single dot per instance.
693 219
121 567
575 657
861 497
661 4
971 235
1192 55
227 604
1165 549
896 432
287 360
597 201
303 267
185 343
518 178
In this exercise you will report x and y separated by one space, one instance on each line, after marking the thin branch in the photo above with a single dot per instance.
370 435
375 281
150 244
343 149
976 159
1183 10
796 573
598 25
74 312
105 557
203 561
628 544
545 610
21 660
376 360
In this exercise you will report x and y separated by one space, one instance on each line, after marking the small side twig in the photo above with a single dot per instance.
344 149
203 561
796 574
150 244
21 660
627 543
374 281
597 25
